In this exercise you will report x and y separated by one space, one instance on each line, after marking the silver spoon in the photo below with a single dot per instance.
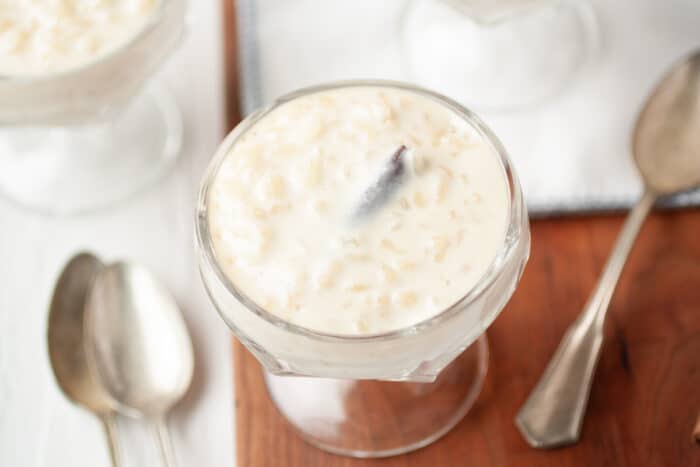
66 344
666 145
140 346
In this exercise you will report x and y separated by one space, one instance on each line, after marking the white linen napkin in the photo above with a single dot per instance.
572 153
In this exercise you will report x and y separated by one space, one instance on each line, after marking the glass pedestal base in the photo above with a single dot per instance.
77 168
362 418
514 63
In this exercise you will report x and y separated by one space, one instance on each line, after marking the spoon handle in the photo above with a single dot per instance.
553 414
110 428
165 444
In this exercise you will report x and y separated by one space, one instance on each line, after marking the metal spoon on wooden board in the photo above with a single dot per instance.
666 146
139 346
66 344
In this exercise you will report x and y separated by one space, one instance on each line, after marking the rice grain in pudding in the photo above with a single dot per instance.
289 229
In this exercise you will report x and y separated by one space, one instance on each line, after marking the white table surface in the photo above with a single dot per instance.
38 426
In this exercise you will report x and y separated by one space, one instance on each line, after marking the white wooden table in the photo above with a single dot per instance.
38 426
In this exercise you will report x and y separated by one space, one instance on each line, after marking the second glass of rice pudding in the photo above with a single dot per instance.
76 131
358 238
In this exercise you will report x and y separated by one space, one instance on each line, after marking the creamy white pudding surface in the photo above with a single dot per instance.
319 216
46 36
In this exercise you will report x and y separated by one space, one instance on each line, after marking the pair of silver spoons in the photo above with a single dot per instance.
118 344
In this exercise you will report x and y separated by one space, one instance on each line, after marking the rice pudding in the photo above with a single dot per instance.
358 210
48 36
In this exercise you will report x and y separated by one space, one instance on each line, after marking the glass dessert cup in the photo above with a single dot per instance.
77 140
498 55
373 395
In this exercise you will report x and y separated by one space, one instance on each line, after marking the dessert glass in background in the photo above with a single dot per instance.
378 383
72 136
498 55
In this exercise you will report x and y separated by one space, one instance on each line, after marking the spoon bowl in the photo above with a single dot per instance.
666 140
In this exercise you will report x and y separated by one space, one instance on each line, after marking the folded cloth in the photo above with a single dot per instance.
572 153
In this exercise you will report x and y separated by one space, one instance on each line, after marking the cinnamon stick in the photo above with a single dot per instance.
384 186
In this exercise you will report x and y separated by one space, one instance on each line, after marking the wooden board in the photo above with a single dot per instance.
647 390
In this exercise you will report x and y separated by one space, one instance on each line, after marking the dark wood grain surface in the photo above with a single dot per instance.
646 395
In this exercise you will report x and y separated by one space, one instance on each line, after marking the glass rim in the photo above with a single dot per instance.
153 21
514 216
498 19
